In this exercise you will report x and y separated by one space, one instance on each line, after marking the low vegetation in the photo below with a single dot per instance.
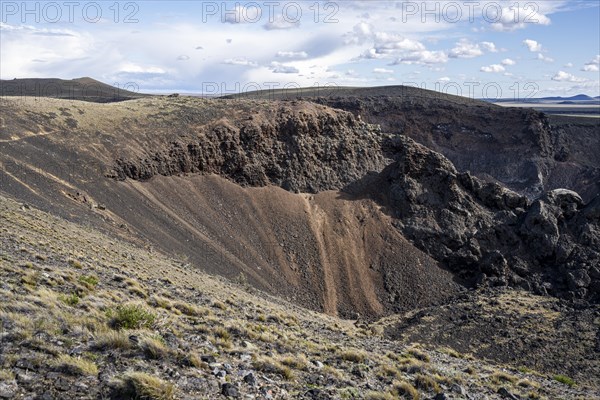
131 316
77 323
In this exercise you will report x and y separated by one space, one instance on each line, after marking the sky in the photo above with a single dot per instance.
479 49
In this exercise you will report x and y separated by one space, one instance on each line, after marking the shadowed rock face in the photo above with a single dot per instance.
490 234
308 151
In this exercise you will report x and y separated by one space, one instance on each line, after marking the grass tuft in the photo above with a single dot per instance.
353 356
139 385
405 390
117 340
427 383
76 366
154 348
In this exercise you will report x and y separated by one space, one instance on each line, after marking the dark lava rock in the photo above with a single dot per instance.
208 359
316 394
250 379
228 390
482 229
506 394
300 151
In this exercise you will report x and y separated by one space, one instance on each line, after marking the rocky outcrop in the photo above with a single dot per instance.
482 231
490 234
300 151
520 148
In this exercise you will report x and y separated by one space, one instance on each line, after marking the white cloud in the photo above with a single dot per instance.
131 68
422 57
532 45
291 54
444 79
383 71
465 49
240 61
280 68
508 61
361 32
489 46
513 18
495 68
403 50
569 65
386 43
183 57
592 66
544 58
280 23
562 76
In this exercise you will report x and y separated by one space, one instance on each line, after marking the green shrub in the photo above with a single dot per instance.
89 281
564 379
71 300
131 316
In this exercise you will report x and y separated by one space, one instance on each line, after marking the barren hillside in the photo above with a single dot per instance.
205 180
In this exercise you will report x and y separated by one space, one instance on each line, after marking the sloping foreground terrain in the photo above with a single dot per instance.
84 315
523 149
310 204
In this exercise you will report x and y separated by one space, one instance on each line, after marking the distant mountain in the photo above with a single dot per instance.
86 89
579 97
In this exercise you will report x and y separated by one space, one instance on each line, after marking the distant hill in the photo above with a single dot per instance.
86 89
408 93
579 97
